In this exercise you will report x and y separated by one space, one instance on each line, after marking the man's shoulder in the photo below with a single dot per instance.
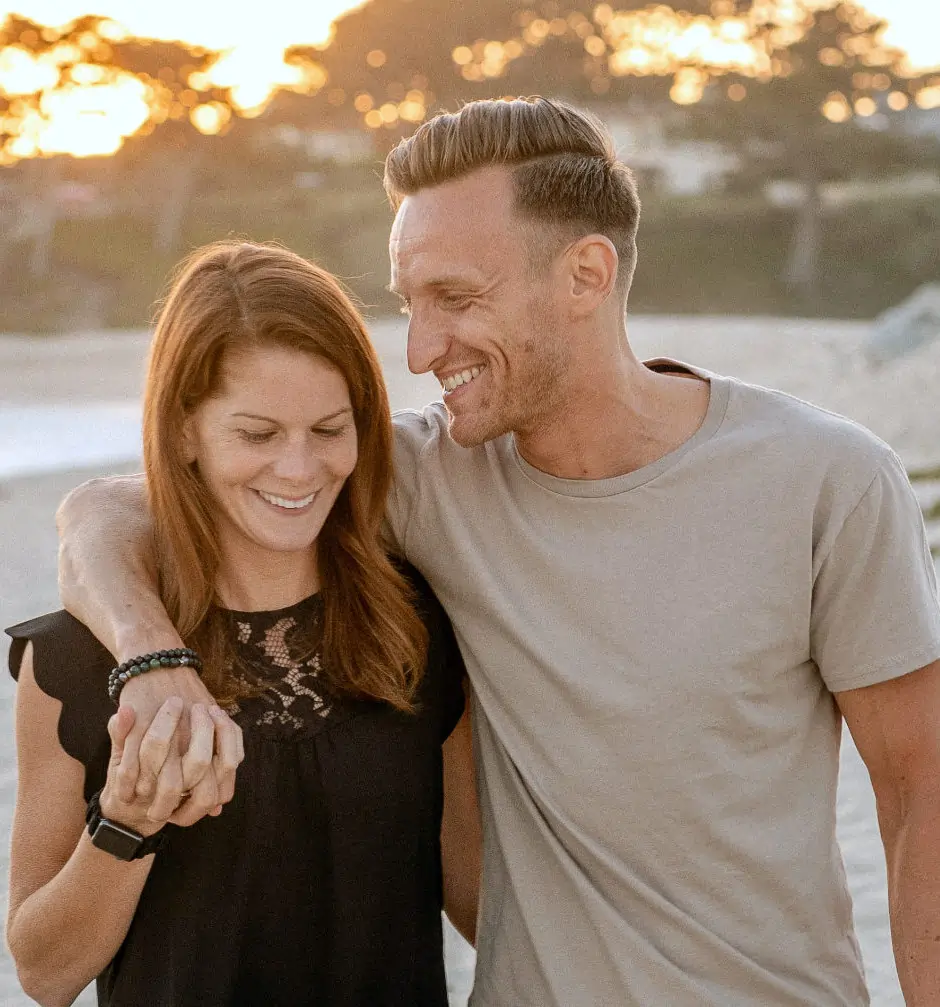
797 428
416 428
423 434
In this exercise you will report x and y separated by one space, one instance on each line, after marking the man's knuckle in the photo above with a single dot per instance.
126 777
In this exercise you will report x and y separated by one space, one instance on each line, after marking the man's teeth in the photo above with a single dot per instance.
463 378
284 502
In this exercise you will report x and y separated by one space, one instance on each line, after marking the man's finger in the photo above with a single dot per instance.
229 753
169 790
199 803
157 747
197 759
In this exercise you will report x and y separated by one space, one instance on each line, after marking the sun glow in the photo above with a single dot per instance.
60 91
67 99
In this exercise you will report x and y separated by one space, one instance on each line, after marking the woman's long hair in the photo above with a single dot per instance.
231 296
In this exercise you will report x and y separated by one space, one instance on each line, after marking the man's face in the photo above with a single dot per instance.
481 318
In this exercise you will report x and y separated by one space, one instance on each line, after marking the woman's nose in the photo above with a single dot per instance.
297 462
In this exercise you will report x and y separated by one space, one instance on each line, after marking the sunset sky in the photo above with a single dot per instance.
915 24
89 110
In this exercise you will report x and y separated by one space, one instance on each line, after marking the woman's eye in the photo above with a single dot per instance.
256 436
329 431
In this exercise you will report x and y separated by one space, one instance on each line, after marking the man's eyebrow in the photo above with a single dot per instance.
323 419
438 283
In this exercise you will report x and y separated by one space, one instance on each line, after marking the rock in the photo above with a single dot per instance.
905 327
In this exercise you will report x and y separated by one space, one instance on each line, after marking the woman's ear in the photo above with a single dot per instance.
189 439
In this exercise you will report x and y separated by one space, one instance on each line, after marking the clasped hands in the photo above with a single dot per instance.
174 753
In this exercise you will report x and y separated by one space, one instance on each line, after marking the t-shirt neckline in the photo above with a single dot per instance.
719 391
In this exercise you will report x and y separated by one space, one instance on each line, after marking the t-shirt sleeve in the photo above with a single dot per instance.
413 431
70 665
875 610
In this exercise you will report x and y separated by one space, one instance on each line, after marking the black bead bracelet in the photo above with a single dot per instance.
175 658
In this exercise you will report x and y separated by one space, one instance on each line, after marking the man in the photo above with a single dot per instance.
669 588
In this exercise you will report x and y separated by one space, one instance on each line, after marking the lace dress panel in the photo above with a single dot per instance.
274 650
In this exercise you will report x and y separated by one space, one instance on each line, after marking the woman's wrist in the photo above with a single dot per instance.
120 814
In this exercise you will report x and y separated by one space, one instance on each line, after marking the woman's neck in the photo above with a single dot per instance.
261 580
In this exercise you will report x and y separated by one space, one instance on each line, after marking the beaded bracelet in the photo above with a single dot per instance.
176 658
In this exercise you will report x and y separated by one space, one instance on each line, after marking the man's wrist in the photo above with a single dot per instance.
132 641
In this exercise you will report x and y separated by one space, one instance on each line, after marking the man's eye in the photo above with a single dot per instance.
455 302
256 436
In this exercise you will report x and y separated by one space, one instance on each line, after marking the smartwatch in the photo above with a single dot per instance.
118 840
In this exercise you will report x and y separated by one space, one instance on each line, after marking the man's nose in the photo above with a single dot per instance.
427 343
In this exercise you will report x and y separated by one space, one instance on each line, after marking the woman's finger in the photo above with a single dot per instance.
119 727
169 790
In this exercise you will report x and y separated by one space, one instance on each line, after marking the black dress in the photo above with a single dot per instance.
320 882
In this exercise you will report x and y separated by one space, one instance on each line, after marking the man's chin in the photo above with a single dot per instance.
470 432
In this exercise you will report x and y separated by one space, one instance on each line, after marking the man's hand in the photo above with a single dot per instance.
204 778
108 581
170 799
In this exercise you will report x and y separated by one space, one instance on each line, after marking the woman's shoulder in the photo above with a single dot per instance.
70 665
59 640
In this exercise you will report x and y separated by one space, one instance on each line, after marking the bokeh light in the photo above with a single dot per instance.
63 94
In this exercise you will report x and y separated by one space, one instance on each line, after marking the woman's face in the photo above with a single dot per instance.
274 448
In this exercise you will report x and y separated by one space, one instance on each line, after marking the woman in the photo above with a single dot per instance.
267 449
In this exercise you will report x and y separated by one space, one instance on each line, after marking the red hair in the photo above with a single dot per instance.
234 295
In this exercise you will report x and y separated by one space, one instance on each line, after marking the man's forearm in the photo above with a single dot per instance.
140 625
107 569
913 852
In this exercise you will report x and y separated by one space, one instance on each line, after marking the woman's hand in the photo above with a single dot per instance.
147 813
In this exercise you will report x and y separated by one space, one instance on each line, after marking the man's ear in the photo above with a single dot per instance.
592 263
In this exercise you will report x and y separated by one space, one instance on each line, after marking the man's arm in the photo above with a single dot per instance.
107 570
108 581
896 727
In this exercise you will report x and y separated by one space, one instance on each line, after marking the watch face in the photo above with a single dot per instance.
116 840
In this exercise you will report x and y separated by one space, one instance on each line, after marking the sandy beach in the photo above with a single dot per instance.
68 411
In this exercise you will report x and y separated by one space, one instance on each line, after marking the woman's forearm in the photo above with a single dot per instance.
66 932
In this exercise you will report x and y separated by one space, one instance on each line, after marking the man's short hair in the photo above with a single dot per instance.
565 171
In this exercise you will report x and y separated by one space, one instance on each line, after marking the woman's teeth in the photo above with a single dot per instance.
462 378
284 502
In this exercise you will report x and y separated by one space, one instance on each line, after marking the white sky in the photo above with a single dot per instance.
218 24
914 27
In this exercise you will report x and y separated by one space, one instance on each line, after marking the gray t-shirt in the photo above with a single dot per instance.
653 658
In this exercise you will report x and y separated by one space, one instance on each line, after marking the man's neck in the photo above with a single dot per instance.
610 424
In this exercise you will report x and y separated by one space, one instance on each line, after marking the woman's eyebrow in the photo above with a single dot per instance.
268 419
